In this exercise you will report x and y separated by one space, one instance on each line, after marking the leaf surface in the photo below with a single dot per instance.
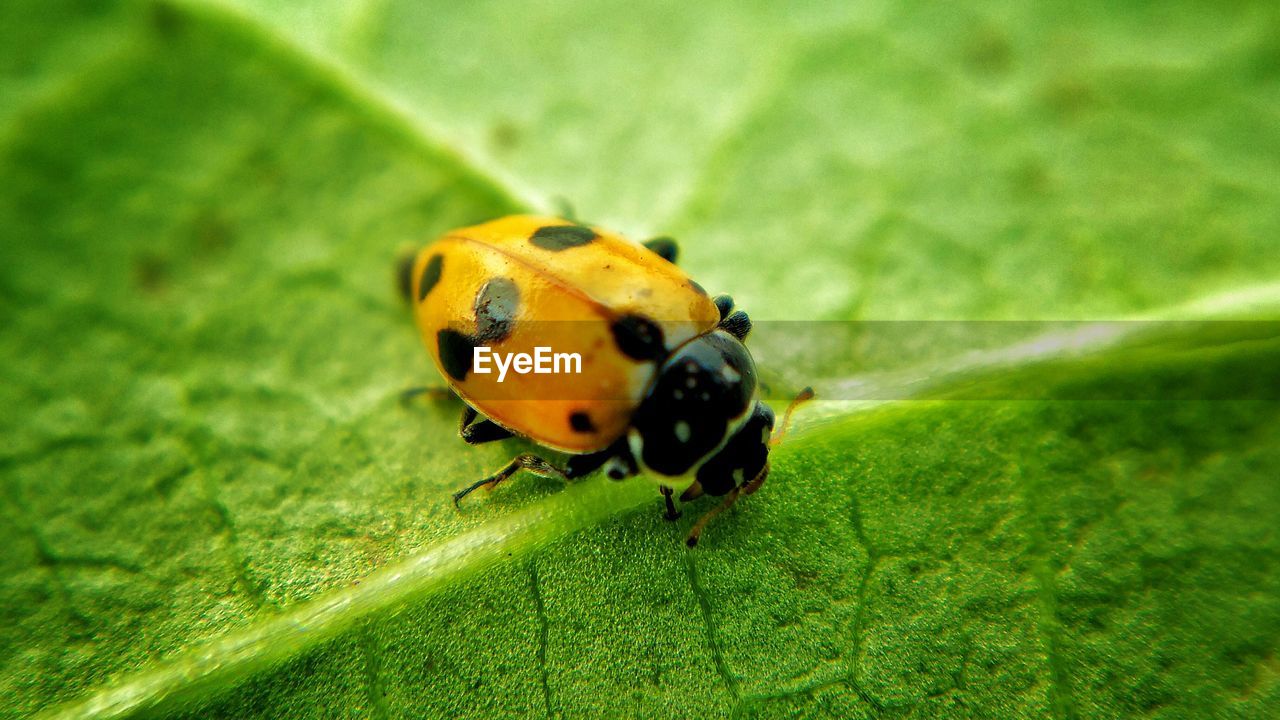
215 505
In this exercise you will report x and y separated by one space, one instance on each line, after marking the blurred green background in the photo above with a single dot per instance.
202 347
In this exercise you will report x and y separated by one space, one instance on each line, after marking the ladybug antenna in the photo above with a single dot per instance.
804 396
695 533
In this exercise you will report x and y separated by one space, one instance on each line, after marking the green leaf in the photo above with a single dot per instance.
214 503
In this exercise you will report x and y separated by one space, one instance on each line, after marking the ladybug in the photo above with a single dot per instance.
664 385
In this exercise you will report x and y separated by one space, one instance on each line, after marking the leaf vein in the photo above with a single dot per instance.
234 557
1047 607
373 675
859 619
704 603
535 584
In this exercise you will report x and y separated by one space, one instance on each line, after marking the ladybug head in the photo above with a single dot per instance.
704 395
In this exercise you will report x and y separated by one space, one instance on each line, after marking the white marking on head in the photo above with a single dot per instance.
615 468
683 431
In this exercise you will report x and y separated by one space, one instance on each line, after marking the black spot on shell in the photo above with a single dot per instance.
496 306
562 237
581 422
638 337
430 276
456 353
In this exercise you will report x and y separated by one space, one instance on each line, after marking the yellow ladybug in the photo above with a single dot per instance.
596 346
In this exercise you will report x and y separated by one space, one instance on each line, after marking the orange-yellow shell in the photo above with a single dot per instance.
566 299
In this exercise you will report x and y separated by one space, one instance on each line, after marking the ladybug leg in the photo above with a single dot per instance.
617 461
532 463
478 432
580 465
672 513
483 432
693 492
430 392
664 247
694 534
754 484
